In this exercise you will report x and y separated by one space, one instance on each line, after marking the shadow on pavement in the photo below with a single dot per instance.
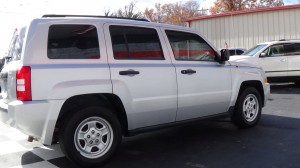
274 142
285 88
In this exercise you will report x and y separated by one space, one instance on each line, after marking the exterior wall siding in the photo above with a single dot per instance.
247 30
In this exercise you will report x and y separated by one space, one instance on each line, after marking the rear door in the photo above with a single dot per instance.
142 74
204 85
292 51
274 63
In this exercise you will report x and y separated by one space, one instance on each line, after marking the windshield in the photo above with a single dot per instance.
15 47
254 50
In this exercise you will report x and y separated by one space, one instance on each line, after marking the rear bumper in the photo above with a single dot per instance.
34 118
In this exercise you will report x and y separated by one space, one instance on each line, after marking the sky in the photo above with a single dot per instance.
17 12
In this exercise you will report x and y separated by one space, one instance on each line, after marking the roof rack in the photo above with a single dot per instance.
287 39
94 16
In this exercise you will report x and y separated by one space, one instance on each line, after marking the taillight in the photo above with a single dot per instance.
23 83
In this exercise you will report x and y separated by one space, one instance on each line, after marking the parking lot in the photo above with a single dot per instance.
273 143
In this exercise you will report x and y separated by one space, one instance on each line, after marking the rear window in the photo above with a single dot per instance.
73 42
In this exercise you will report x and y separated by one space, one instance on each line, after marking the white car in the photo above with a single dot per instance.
88 81
279 59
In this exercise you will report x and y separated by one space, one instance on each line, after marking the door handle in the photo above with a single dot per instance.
188 71
129 72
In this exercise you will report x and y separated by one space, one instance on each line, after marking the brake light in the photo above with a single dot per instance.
23 83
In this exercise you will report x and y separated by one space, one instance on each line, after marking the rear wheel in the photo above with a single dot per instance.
90 136
248 108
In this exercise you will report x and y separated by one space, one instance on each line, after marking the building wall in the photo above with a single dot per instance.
247 30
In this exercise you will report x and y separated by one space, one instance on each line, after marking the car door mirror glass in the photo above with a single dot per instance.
262 55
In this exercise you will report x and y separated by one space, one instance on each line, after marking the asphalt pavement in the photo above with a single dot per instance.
273 143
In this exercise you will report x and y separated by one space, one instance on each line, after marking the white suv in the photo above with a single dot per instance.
280 59
87 81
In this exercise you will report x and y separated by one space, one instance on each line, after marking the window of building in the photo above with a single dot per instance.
134 43
73 42
190 47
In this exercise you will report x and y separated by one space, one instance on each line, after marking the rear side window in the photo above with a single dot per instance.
132 43
190 47
73 42
292 49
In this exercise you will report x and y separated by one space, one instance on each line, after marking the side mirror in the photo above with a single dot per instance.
262 55
224 55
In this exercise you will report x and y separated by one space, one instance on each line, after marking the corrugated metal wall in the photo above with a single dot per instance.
247 30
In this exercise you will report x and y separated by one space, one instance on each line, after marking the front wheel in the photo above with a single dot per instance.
90 136
248 108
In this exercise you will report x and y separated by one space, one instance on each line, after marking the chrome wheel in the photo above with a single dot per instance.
250 107
93 137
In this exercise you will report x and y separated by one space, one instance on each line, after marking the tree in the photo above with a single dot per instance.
129 11
154 15
221 6
173 13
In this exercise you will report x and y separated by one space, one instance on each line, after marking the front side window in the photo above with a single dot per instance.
133 43
189 47
274 51
73 42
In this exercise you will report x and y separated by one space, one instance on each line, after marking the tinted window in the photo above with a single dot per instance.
135 43
190 47
73 42
239 52
232 52
292 49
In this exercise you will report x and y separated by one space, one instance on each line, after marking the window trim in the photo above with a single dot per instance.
126 41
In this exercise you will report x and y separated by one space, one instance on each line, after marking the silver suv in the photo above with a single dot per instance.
87 81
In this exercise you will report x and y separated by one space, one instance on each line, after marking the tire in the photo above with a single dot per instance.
248 108
90 137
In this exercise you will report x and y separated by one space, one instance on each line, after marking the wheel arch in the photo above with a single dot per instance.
257 85
79 102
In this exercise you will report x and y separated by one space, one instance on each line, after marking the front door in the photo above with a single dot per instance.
274 63
204 85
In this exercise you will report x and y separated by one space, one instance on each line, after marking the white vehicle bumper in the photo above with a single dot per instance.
267 92
34 118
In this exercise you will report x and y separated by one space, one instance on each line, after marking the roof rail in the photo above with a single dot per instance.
287 39
94 16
